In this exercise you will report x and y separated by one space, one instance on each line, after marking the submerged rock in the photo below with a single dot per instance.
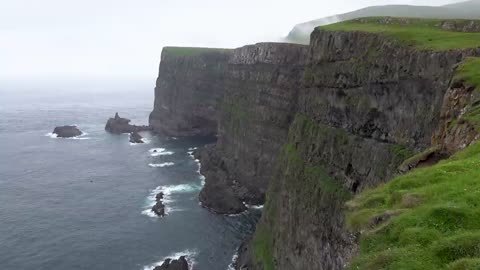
180 264
119 125
136 138
67 131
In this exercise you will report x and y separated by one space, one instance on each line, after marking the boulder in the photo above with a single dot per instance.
136 138
119 125
67 131
180 264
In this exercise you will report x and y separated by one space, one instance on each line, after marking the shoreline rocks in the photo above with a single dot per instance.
169 264
136 138
119 125
67 131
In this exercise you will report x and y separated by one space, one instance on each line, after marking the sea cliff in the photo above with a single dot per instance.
304 129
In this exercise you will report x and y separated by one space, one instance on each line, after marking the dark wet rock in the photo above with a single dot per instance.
67 131
244 261
159 196
136 138
169 264
159 207
119 125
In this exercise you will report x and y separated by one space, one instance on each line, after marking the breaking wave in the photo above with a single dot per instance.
168 192
155 152
79 137
161 165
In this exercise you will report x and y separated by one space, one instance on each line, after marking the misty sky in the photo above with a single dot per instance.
62 39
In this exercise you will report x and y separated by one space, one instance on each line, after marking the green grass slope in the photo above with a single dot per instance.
422 33
463 10
469 71
428 219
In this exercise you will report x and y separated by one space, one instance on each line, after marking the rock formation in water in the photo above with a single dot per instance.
67 131
136 138
314 125
119 125
159 207
169 264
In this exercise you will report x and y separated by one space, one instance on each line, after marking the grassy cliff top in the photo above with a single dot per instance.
191 51
422 33
427 219
469 71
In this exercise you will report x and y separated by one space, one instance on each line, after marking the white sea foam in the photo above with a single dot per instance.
79 137
190 255
259 207
155 152
167 200
161 165
192 148
231 266
144 140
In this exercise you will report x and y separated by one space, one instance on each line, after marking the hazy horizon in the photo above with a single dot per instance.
55 40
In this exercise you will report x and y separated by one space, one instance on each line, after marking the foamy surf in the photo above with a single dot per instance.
79 137
168 192
190 255
231 266
155 152
161 165
145 141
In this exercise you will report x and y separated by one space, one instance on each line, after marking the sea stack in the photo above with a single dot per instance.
159 207
180 264
67 131
119 125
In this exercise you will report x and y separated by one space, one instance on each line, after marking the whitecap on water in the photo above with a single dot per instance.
155 152
145 141
80 137
190 255
161 165
231 266
167 191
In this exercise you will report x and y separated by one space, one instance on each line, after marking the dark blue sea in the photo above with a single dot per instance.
84 203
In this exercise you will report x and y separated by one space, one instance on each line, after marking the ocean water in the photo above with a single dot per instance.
84 203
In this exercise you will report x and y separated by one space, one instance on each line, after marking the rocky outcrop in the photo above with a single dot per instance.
315 125
159 207
67 131
119 125
136 138
169 264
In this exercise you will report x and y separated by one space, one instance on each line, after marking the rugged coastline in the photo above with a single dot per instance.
315 125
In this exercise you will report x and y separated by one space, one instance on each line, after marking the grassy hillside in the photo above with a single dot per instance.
422 33
428 219
464 10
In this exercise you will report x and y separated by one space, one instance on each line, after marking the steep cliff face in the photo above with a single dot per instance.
189 87
261 87
316 125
